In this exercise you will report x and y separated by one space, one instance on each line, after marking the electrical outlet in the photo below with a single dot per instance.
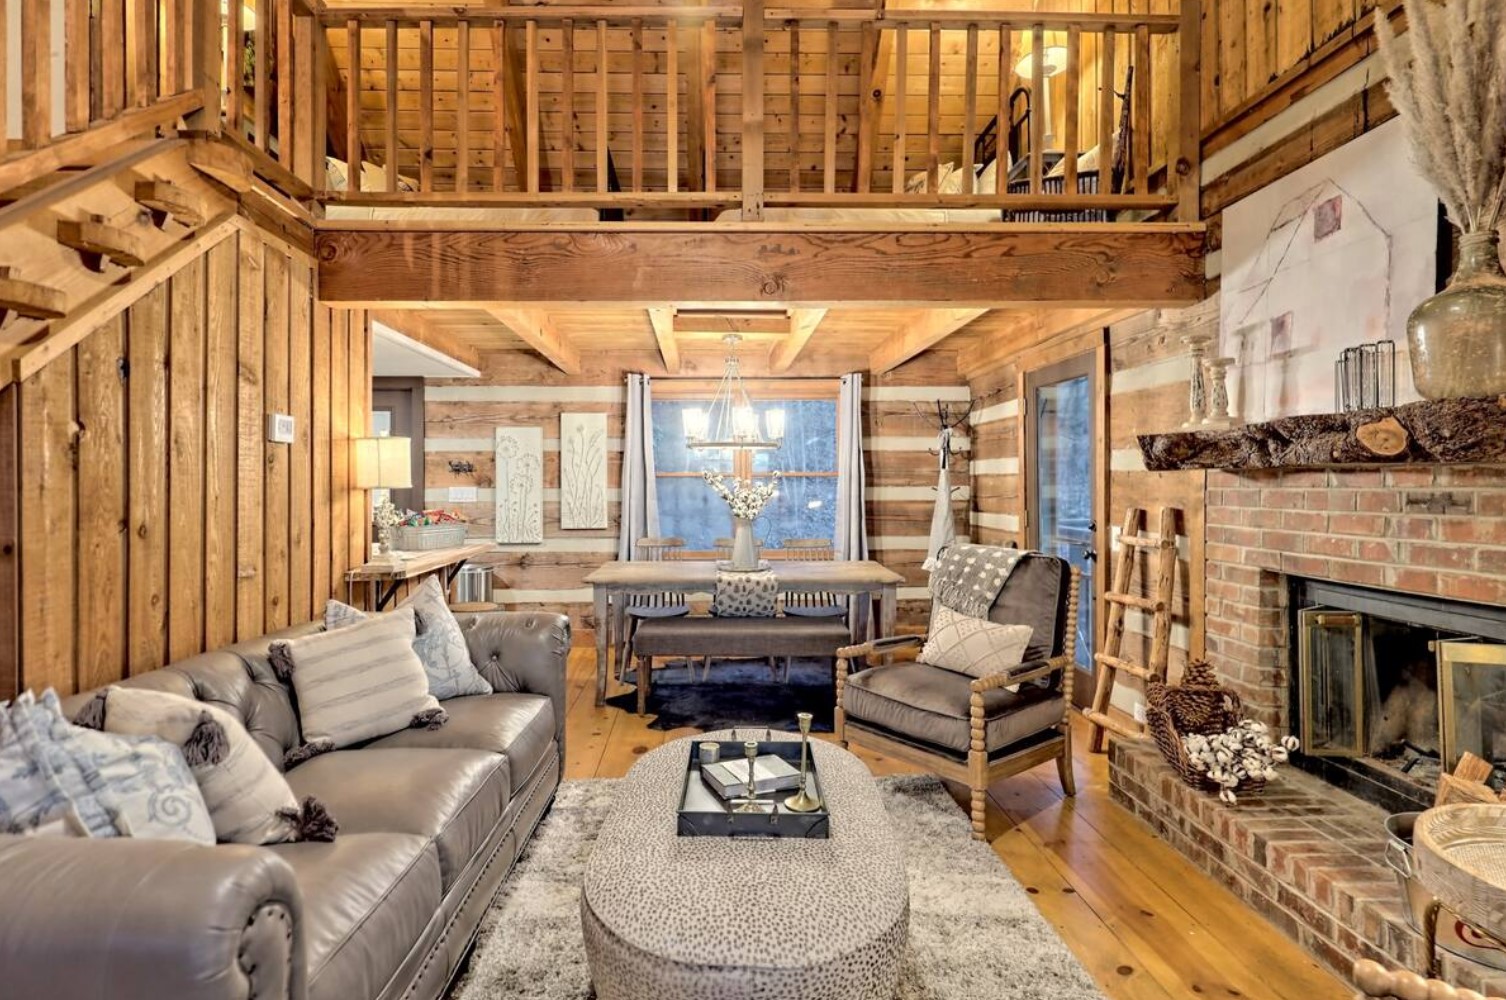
1140 712
280 429
462 494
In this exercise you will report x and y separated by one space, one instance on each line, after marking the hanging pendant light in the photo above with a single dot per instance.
730 421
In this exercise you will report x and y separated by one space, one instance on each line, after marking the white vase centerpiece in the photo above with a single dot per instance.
746 498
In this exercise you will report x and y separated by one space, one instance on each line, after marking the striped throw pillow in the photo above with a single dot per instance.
360 682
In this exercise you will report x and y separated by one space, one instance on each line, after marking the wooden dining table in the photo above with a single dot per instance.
613 581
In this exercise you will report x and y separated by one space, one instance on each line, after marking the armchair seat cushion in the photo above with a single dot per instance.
519 726
931 705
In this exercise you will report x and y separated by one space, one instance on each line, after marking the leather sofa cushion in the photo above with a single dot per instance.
453 797
931 705
367 898
518 725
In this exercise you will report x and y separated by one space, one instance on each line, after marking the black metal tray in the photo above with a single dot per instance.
702 812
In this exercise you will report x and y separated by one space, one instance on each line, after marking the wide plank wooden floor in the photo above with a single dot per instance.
1142 919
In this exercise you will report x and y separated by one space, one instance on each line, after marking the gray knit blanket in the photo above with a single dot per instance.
968 577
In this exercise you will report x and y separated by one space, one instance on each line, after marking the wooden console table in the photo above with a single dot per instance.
387 577
613 581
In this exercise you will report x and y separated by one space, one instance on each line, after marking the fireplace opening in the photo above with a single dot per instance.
1390 689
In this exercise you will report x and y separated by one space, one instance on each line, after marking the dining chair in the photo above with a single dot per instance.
723 547
812 604
662 604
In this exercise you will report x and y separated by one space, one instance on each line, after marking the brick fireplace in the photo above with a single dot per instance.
1308 859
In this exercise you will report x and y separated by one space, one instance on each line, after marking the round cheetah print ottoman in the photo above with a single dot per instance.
691 918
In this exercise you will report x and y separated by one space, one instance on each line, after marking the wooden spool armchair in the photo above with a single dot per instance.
1376 982
974 730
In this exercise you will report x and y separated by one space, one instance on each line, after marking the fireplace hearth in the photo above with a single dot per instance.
1389 689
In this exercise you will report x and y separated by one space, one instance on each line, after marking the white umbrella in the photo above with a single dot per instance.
943 528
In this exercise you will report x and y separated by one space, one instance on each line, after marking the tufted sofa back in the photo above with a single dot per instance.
238 679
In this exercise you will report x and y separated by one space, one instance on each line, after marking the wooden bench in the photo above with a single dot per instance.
700 635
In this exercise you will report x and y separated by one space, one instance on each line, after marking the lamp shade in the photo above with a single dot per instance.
1054 61
384 463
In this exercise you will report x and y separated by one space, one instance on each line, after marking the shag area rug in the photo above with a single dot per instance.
740 694
974 934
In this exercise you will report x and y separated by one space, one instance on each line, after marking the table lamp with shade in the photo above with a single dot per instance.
384 463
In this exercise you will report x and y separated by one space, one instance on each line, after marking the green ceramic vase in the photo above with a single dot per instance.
1457 338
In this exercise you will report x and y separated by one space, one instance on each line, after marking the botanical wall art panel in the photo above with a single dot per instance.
1331 256
520 485
583 470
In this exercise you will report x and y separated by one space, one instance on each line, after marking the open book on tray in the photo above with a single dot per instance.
729 778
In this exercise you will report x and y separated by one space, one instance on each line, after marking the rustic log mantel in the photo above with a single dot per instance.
1442 431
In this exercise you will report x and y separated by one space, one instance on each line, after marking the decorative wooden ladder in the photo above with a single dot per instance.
1118 598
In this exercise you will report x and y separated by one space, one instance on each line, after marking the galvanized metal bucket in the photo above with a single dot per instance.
1454 935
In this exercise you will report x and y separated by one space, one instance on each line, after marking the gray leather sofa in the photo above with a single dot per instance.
430 823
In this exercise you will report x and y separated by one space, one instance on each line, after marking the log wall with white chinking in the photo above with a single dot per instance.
155 520
1146 379
519 388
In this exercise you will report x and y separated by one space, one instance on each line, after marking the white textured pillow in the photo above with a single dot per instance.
249 801
359 682
973 646
440 644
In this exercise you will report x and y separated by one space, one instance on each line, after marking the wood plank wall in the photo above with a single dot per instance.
1147 385
155 520
517 388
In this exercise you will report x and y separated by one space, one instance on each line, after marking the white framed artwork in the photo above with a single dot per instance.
583 471
520 485
1331 256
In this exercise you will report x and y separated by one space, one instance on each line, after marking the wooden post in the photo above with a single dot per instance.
209 62
463 104
1001 131
829 144
1187 178
1142 116
1070 137
36 73
933 112
1106 136
1038 85
637 76
309 96
394 162
869 99
970 108
567 106
323 67
708 100
352 104
601 107
286 59
499 106
112 58
426 105
671 107
793 27
753 110
901 83
531 97
76 65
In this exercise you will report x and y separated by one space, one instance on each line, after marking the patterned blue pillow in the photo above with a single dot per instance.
440 643
58 777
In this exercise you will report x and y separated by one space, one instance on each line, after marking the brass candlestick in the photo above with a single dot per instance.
749 802
803 801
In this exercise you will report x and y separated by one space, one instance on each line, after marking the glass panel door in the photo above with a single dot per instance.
1060 489
1472 700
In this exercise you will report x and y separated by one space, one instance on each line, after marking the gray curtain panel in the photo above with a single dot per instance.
943 524
852 525
640 500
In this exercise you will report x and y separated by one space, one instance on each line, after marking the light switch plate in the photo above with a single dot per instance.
280 428
462 494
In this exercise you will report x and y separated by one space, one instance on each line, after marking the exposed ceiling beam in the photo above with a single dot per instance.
803 323
664 332
1011 332
714 323
919 335
416 326
536 330
1143 264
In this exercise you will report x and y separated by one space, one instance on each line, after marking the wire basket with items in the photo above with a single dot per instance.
1198 726
428 530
